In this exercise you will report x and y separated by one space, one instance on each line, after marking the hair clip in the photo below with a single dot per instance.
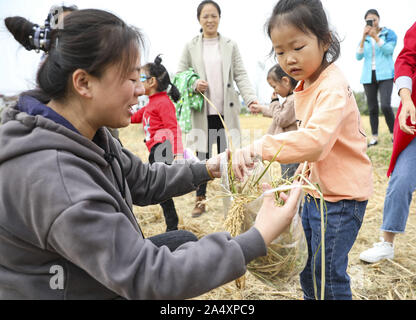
39 39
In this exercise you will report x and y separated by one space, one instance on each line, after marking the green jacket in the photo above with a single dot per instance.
184 81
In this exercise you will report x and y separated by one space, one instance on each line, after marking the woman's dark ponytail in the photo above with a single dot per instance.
51 78
157 70
28 34
33 37
91 40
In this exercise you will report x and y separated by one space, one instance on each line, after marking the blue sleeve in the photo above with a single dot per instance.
390 43
359 55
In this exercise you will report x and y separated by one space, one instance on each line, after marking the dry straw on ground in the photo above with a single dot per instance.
389 279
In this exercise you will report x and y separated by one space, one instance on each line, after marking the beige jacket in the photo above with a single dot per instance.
233 71
284 117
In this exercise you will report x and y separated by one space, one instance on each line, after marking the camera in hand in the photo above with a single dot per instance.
369 22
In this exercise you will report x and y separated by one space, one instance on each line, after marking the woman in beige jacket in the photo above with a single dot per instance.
218 62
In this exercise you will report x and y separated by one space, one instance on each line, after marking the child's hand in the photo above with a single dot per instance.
256 108
243 161
250 107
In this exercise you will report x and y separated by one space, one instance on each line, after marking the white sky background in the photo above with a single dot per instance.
169 24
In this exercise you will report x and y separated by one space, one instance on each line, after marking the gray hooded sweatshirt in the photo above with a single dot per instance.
67 230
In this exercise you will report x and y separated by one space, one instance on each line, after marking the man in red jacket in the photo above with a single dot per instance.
402 174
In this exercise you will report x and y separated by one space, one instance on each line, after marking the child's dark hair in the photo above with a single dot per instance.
92 40
276 73
157 70
309 16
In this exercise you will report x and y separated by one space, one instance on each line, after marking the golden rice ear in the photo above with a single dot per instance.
241 282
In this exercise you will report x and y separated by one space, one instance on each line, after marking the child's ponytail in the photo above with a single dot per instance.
157 70
174 93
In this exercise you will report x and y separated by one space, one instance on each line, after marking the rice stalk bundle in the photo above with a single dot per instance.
286 256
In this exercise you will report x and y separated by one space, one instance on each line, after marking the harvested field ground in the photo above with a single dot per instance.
387 280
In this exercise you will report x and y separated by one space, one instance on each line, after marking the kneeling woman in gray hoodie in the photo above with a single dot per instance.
67 230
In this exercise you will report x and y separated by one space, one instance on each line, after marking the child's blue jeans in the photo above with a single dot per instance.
399 192
344 219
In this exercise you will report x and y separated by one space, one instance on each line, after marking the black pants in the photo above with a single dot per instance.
173 239
385 88
162 152
216 134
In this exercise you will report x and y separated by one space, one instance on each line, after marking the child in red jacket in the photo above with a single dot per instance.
163 135
402 175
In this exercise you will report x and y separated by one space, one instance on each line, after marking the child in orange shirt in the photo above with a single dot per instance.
330 138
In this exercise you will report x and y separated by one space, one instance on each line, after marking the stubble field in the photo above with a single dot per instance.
386 280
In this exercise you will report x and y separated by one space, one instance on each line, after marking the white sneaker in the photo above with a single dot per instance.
380 250
373 142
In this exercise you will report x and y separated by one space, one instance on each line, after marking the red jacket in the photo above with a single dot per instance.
405 66
159 122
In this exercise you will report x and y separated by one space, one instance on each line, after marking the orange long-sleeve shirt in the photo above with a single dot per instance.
330 138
